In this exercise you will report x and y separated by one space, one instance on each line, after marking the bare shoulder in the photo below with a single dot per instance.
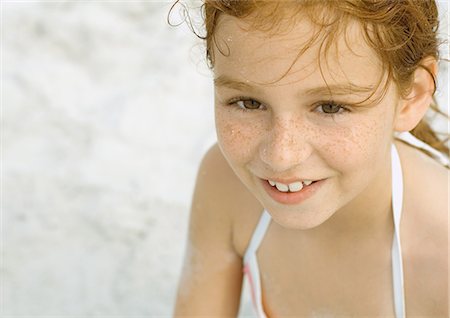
215 185
215 168
425 231
211 279
230 197
228 192
426 189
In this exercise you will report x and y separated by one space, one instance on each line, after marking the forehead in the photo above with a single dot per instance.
301 53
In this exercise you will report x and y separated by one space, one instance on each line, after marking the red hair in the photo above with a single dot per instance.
402 33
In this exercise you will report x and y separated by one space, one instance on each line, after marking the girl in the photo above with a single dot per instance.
317 191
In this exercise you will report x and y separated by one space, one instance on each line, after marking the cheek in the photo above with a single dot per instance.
362 144
237 138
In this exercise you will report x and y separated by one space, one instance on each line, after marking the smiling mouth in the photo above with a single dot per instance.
292 193
290 187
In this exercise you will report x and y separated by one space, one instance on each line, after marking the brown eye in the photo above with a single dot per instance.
248 104
330 108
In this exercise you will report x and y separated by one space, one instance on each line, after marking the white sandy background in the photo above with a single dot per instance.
106 112
105 118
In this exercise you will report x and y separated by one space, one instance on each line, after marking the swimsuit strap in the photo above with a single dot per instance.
251 268
412 140
397 263
258 235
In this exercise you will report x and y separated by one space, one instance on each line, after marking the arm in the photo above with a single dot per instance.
211 279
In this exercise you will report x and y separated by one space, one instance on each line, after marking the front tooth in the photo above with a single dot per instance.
307 182
272 183
295 186
281 187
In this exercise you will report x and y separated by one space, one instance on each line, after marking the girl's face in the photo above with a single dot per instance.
302 126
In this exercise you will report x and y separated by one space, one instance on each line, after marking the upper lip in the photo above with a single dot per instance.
290 180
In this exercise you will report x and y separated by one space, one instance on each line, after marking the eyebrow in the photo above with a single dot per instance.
338 89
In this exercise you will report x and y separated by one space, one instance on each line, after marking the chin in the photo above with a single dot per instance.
300 220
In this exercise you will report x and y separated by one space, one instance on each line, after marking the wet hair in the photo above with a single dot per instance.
402 33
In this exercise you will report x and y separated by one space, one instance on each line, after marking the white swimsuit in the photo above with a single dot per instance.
251 268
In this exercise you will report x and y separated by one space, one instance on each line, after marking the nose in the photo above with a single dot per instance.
286 145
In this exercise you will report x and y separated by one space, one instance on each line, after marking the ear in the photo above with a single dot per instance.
412 108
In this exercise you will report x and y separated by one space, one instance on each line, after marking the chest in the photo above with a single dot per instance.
307 282
310 283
